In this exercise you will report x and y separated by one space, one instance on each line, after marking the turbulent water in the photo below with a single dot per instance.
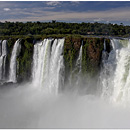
48 64
3 55
43 104
115 76
13 62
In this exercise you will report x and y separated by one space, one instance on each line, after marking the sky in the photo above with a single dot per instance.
66 11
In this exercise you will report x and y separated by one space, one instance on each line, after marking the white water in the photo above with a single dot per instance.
115 76
13 62
75 76
122 76
48 65
79 67
0 47
79 60
41 58
104 45
56 77
3 56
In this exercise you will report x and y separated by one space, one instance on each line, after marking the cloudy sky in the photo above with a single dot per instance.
66 11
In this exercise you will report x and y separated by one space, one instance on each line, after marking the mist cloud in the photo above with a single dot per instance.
28 107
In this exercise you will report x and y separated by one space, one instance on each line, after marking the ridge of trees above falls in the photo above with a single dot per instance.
48 28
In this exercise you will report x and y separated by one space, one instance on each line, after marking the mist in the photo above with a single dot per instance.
26 106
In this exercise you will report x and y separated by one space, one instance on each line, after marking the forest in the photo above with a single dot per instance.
54 27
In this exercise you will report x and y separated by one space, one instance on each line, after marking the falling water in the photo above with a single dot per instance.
1 60
79 66
41 58
48 64
79 60
56 66
13 62
115 74
108 69
0 47
75 76
104 45
3 52
121 81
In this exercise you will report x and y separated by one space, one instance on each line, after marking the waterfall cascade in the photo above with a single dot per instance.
41 58
79 60
30 105
13 62
3 55
115 74
0 47
78 67
48 66
75 75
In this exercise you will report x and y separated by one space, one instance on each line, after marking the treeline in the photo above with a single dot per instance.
48 28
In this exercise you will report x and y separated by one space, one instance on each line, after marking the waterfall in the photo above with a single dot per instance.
56 66
79 66
0 47
75 76
79 60
13 62
41 58
115 73
104 45
108 69
48 64
104 53
3 52
48 67
121 81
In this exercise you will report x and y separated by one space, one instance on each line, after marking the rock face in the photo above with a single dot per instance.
92 52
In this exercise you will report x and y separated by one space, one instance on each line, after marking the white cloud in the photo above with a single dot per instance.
98 20
6 9
53 3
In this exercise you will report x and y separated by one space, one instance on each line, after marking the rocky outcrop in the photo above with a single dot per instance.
92 52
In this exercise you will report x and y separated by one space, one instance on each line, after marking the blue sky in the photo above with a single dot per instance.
66 11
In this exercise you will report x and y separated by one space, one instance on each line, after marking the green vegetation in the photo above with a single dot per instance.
91 57
24 60
71 50
51 28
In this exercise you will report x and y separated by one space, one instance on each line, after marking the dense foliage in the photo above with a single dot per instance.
48 28
91 57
